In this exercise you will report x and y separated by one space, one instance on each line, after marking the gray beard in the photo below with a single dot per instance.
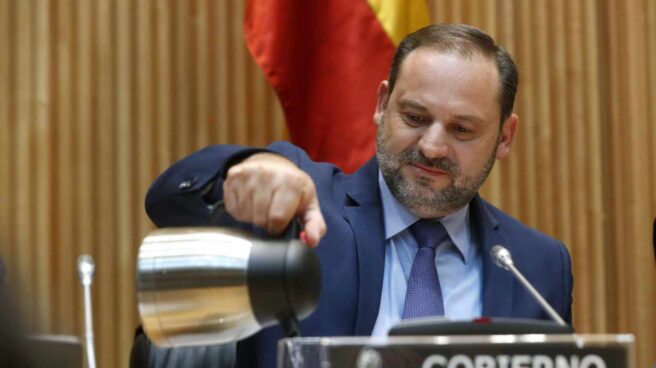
418 197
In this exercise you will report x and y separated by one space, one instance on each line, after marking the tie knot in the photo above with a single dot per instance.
428 233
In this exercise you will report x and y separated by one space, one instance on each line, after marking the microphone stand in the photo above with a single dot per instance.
85 271
502 258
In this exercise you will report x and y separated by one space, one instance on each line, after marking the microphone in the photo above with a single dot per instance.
501 257
85 271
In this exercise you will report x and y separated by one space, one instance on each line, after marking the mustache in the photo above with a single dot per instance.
414 156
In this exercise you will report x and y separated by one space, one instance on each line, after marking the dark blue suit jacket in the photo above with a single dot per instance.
352 253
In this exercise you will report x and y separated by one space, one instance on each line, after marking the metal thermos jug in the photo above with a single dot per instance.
211 285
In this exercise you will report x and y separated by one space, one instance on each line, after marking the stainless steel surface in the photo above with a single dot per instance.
192 287
377 341
85 271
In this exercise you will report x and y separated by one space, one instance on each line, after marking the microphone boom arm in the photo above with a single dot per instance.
85 271
502 258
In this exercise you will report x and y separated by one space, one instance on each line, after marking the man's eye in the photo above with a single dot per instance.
462 132
414 119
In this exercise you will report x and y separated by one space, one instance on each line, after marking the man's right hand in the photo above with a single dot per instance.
270 191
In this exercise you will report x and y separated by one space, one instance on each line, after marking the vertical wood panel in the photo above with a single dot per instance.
22 152
5 133
617 102
97 98
64 163
594 159
258 114
238 72
438 11
638 191
41 205
144 127
651 97
125 188
164 112
560 95
104 172
526 141
649 294
84 151
507 29
222 68
576 124
191 57
495 185
201 14
181 73
545 117
211 77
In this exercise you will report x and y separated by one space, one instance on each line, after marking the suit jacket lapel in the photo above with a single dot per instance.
497 282
363 210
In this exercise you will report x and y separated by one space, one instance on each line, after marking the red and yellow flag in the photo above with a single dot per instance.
325 60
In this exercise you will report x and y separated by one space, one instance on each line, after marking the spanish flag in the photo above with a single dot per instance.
325 60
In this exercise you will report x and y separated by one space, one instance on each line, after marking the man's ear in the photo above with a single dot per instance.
381 101
506 136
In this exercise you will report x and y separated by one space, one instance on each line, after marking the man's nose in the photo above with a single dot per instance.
434 141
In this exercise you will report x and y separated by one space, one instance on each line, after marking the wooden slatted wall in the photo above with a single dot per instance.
98 97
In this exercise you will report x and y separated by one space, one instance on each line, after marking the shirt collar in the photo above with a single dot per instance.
398 219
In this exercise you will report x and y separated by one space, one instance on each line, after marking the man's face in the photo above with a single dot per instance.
439 131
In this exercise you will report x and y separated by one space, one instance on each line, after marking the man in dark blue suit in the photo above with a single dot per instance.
443 117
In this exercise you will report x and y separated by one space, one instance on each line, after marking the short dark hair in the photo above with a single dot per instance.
466 41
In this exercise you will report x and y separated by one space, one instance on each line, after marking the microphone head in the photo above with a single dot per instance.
85 269
501 257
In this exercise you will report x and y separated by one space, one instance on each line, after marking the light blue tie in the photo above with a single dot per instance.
423 297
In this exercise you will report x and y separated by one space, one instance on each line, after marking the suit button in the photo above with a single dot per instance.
187 183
